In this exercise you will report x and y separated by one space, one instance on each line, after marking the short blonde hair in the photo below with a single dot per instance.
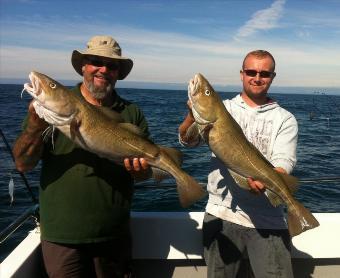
260 54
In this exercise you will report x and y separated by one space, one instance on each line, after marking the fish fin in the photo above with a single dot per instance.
192 133
174 154
189 191
300 219
291 182
274 198
113 115
132 128
205 130
74 129
74 132
159 174
240 180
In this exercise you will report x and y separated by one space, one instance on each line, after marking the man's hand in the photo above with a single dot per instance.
257 186
34 123
138 168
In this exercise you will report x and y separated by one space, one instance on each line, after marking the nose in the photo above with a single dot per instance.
104 68
257 77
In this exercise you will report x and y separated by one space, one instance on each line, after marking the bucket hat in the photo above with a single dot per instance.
102 46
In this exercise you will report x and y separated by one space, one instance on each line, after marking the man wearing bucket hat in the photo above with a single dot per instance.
84 199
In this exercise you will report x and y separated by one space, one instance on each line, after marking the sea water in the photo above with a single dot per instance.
318 152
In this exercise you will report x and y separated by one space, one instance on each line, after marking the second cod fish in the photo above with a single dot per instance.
227 141
102 131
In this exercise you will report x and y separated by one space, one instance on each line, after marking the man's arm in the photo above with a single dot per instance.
285 145
188 132
28 147
284 152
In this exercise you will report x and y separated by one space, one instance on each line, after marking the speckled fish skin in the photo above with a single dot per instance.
227 141
101 131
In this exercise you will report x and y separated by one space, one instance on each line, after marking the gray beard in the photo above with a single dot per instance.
98 93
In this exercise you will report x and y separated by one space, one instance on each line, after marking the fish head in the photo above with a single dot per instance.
49 94
205 101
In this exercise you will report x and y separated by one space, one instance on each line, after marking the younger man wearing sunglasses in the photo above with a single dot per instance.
236 220
85 199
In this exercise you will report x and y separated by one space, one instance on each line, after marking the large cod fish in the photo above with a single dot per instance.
101 131
228 142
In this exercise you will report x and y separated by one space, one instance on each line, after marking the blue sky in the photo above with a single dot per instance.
170 41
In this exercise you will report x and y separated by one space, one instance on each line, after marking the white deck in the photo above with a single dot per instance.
171 242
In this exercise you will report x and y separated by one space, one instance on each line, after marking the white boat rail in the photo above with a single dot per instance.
168 244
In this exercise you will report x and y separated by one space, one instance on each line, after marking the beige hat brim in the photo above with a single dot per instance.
126 64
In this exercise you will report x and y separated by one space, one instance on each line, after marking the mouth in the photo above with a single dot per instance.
193 87
193 90
101 78
32 88
195 84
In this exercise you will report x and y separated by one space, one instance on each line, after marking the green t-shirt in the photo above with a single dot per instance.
85 198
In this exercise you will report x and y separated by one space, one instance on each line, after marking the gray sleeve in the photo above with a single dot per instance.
284 149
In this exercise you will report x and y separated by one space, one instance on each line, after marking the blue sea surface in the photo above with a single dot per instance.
318 116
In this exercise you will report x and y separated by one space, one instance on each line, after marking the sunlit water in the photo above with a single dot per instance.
318 152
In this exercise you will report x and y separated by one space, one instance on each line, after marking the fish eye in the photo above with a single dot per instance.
207 92
53 85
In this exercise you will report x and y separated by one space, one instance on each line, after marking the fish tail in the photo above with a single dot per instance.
300 219
189 191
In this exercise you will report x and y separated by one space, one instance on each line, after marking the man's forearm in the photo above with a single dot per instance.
188 132
27 149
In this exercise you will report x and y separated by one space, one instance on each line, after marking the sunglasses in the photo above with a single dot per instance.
263 74
97 62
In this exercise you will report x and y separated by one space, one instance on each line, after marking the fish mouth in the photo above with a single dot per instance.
193 90
193 86
33 88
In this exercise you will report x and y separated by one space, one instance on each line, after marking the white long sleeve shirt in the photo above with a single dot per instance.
271 129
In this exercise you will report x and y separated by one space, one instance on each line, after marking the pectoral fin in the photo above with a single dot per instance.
74 132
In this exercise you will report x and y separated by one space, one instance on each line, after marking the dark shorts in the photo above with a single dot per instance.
106 259
225 245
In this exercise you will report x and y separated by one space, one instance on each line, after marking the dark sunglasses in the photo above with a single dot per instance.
97 62
263 74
